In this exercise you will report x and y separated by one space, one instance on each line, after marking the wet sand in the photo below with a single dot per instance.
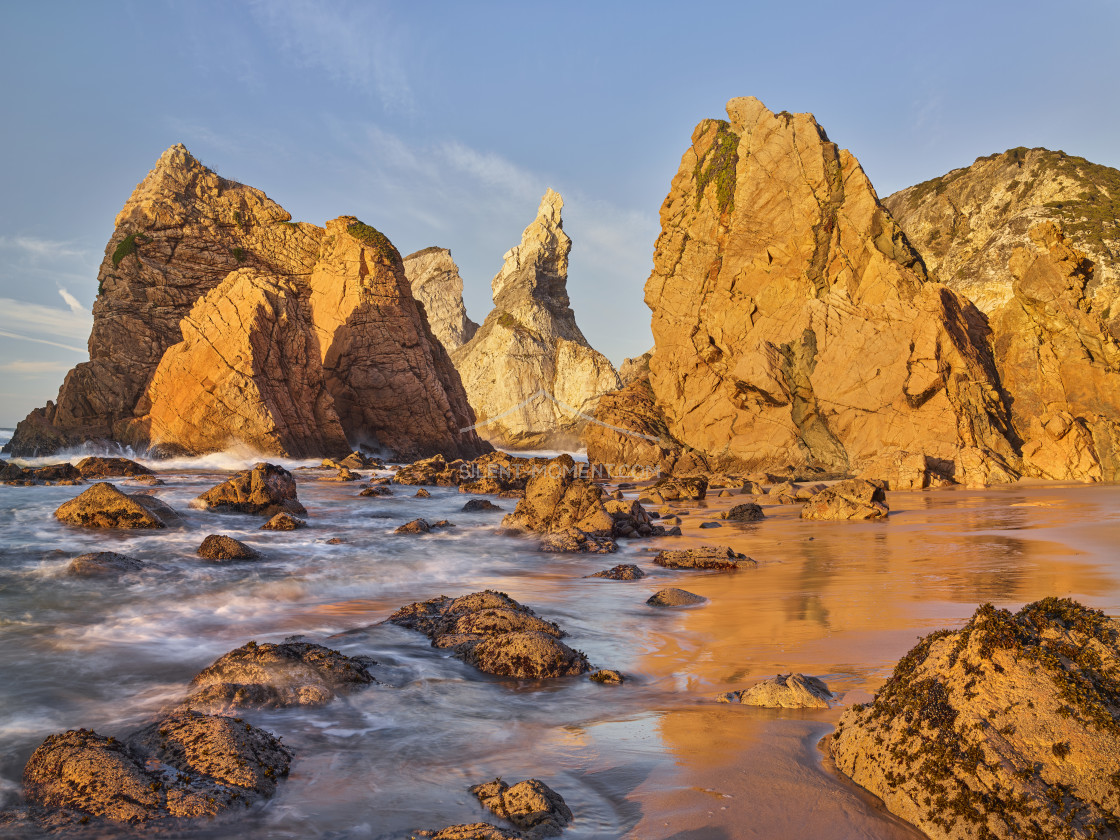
842 601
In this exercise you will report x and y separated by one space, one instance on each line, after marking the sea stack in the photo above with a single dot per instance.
221 323
436 285
794 324
530 375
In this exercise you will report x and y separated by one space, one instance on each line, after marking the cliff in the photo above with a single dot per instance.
436 284
793 322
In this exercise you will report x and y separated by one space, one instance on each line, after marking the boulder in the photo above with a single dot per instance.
707 557
746 512
266 490
221 547
1006 728
791 691
343 474
437 286
422 494
283 522
103 564
529 373
556 500
575 541
469 831
685 488
623 571
900 470
532 806
380 490
416 526
104 506
671 597
851 499
186 765
494 633
432 471
710 525
257 676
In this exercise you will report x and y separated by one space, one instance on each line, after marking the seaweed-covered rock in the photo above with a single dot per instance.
607 676
98 467
1006 728
276 675
376 490
422 494
185 765
746 512
623 571
671 597
468 831
433 471
708 557
532 806
789 691
494 633
221 547
851 499
104 506
526 655
265 489
103 564
283 522
575 541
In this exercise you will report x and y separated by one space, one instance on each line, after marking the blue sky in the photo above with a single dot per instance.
444 123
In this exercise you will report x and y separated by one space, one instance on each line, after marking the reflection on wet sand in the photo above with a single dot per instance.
844 601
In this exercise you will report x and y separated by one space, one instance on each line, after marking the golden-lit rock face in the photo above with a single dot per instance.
220 322
792 321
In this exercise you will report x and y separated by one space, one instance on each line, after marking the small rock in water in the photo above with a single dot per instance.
221 547
623 571
532 806
376 490
103 564
747 512
273 676
266 489
792 691
336 541
719 558
575 541
709 525
283 522
468 831
672 597
475 505
724 494
851 499
607 677
442 523
422 494
97 467
416 526
104 506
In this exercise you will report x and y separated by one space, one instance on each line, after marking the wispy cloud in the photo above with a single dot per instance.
358 44
37 248
45 324
26 368
71 301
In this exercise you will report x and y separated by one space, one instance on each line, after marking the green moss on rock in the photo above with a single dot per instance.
717 166
126 248
378 242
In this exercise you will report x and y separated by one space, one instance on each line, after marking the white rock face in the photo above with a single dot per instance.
436 283
529 372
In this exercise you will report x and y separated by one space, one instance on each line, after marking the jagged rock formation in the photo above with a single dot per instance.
1006 728
220 322
792 321
436 284
967 223
529 372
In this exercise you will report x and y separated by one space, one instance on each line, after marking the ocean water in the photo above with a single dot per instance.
656 757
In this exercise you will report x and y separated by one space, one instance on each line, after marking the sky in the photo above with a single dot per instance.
444 123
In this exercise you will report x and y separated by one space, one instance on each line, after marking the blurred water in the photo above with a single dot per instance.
840 600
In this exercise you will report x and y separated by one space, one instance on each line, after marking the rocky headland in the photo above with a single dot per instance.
220 322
